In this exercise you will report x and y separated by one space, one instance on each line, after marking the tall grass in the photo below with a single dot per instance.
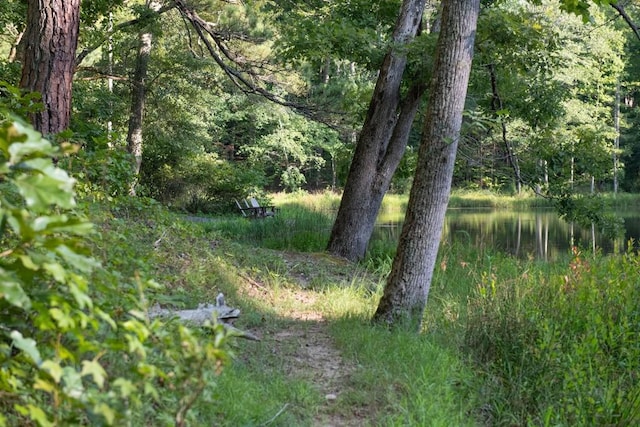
409 379
294 227
560 349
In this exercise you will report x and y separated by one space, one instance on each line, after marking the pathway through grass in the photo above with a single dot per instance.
304 344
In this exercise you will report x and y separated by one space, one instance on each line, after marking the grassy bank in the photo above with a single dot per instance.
393 379
505 341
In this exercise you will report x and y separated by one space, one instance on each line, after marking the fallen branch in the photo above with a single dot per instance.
206 313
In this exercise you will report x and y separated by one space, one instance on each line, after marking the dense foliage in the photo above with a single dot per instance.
76 345
545 88
552 105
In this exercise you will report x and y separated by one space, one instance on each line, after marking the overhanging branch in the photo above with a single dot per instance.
244 79
619 7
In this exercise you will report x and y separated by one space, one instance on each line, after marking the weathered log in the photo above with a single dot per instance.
220 312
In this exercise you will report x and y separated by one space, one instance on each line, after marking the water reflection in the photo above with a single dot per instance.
539 234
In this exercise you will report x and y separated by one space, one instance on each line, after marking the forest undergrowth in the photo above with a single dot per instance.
504 341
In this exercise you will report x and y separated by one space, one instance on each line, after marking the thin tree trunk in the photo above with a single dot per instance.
381 144
138 98
407 287
616 141
496 106
110 80
13 52
49 60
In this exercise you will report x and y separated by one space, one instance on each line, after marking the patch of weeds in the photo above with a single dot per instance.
403 378
561 349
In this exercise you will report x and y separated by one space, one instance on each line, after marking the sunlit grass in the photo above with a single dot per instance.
504 341
409 378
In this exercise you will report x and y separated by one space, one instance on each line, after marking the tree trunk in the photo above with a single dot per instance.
616 141
381 144
49 60
407 288
13 52
138 97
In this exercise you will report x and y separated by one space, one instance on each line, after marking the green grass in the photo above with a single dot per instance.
410 379
504 341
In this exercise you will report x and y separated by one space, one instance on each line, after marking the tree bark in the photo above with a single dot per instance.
49 60
407 288
381 143
138 97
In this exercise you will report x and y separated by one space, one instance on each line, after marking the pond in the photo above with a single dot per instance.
539 234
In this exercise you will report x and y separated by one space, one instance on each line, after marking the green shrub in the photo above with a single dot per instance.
564 349
76 346
204 183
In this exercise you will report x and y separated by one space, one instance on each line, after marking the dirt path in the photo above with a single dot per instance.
309 353
315 358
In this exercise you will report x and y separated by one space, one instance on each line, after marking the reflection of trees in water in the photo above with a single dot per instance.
535 234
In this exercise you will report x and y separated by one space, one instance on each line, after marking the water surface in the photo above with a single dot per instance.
539 234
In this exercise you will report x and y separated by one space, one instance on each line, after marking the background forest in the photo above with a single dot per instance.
280 104
182 107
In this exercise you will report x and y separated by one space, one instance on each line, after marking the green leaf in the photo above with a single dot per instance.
52 368
106 411
81 297
63 319
41 191
28 262
61 224
150 390
38 415
11 290
81 262
73 383
34 143
44 385
126 387
104 316
57 271
93 368
27 345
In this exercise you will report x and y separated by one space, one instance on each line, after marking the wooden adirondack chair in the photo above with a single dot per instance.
252 209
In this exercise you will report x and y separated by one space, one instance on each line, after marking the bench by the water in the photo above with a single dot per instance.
252 209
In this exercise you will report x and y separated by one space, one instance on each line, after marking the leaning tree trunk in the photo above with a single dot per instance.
51 39
407 288
381 144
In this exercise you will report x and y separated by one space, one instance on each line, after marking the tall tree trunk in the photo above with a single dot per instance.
49 60
381 144
407 287
138 97
110 80
616 141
